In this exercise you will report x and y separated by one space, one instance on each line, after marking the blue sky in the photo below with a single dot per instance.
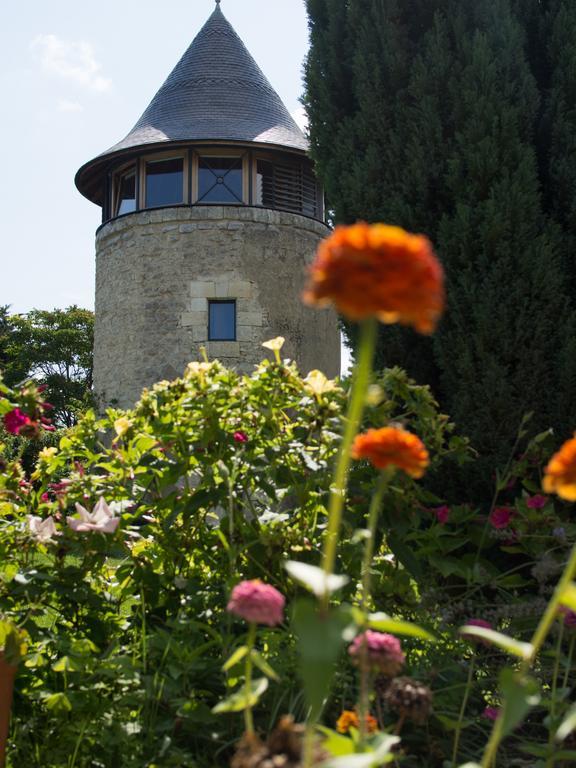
75 77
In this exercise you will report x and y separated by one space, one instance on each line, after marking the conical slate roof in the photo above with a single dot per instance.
215 92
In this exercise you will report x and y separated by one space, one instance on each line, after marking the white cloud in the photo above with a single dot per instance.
300 118
71 60
69 106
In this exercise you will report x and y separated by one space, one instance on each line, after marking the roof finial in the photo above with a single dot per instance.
217 2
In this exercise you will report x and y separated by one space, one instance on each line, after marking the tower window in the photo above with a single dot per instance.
164 182
220 180
126 192
222 320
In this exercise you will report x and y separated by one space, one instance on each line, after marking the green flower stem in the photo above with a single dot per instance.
550 759
360 382
373 514
248 719
537 641
467 690
569 663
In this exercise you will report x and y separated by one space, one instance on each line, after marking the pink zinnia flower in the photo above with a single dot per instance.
500 517
536 502
257 603
16 419
383 651
491 713
240 437
442 514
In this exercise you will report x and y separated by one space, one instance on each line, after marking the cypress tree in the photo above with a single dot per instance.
444 136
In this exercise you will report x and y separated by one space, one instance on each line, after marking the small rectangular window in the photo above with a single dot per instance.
222 320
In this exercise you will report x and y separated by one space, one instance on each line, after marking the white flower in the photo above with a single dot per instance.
274 344
43 530
317 383
101 519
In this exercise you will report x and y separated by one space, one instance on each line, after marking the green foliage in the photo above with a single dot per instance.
456 119
131 657
55 349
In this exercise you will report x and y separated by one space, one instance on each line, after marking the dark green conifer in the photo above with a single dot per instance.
443 135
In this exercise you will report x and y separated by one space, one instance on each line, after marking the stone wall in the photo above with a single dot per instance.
157 270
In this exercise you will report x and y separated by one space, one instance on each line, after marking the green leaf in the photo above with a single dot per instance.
67 664
239 700
568 596
235 658
504 642
314 578
336 743
263 665
381 754
567 725
58 703
319 635
406 556
520 694
451 724
384 623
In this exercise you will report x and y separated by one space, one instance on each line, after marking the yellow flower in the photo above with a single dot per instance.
122 425
318 384
197 369
47 453
274 344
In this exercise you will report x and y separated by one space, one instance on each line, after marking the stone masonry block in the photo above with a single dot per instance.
202 289
222 290
245 333
240 289
200 333
190 319
198 305
250 318
223 348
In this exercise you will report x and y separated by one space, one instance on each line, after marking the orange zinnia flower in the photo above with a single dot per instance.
560 474
349 719
378 270
392 447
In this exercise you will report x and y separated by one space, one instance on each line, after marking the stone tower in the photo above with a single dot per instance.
210 214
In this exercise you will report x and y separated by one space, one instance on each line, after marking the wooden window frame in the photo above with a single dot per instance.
159 157
117 175
243 155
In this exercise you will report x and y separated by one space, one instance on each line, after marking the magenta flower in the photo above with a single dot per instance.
442 514
500 517
240 437
257 603
491 713
569 617
15 420
384 652
536 502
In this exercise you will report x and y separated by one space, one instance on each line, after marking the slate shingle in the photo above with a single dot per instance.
215 92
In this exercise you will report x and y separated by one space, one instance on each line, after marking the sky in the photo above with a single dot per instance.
75 78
